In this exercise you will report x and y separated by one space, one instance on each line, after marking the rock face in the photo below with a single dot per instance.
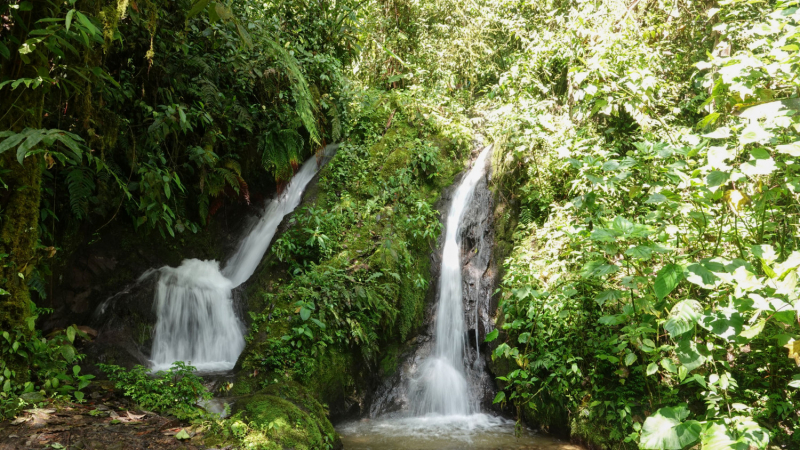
479 277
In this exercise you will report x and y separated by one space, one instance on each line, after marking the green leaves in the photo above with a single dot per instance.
666 430
683 317
492 335
667 279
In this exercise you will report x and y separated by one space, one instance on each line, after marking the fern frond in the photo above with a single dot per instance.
80 184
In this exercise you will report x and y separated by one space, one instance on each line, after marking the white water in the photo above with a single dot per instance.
196 322
442 387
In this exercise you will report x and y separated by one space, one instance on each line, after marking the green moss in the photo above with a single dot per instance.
397 159
286 416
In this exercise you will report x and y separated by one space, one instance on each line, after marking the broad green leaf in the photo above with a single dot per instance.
683 317
701 276
716 178
491 336
792 149
608 295
725 322
754 330
716 437
643 252
598 269
688 355
667 279
71 333
630 358
656 198
665 430
500 397
652 368
305 313
756 167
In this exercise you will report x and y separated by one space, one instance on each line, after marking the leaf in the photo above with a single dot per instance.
4 52
182 435
656 198
630 358
87 23
223 11
500 397
665 430
688 355
683 317
13 141
29 143
652 368
716 178
608 295
667 279
491 336
199 6
305 313
792 149
794 350
716 437
71 333
642 252
598 269
753 331
68 352
699 275
719 133
68 22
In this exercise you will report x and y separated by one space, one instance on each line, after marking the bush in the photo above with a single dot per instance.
176 390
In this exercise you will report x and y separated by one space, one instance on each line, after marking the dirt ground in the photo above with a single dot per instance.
104 424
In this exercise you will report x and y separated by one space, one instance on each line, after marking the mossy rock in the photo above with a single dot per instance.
398 159
286 416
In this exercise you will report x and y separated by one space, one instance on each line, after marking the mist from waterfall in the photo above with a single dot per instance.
196 321
441 387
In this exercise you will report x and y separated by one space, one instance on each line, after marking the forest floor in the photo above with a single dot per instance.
106 421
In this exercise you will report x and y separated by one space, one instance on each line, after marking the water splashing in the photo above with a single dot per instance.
442 387
194 305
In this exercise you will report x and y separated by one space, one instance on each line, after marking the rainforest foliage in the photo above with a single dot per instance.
643 169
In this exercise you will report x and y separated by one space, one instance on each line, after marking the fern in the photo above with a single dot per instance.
280 152
305 106
80 185
336 123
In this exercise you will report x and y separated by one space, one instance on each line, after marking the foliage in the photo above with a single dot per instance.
357 255
653 295
175 390
49 368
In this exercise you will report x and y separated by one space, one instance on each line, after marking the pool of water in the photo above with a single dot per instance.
433 432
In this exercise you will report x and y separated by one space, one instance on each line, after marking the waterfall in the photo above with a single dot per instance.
196 321
442 387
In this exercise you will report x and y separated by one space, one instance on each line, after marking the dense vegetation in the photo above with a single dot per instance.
644 174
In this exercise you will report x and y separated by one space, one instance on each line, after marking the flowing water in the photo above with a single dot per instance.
442 385
441 413
196 321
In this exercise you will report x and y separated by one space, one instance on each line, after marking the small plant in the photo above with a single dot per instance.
53 373
175 390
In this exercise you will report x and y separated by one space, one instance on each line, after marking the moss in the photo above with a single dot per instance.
286 416
397 159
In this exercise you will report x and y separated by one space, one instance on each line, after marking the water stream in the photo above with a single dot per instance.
441 409
196 321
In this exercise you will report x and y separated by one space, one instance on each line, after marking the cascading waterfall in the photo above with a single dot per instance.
442 386
196 321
